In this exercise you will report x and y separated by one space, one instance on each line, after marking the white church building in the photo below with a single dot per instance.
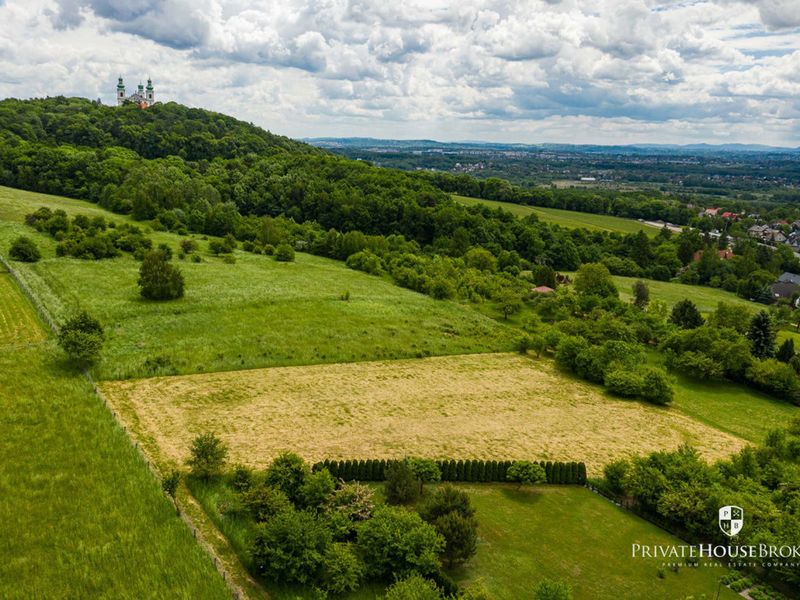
142 97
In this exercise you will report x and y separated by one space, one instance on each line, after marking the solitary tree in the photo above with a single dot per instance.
284 253
594 279
685 315
425 470
460 535
761 335
641 294
158 279
208 456
401 483
524 472
81 337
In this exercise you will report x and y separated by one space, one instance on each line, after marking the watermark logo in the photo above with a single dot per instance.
731 520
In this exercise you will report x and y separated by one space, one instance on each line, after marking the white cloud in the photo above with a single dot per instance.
577 70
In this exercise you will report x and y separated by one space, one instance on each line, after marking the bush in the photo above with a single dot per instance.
776 378
288 473
24 249
444 500
158 279
685 315
284 253
291 548
526 473
398 542
81 338
169 483
552 590
413 588
208 455
317 489
354 500
264 502
189 246
342 570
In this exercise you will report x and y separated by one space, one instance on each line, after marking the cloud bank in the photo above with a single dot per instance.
593 71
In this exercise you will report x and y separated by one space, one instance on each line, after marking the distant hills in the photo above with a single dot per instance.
632 149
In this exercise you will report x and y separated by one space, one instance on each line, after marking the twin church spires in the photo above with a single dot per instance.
143 97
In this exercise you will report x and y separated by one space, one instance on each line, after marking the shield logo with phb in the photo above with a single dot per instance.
731 520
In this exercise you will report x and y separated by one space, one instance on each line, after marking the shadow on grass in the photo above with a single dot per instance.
524 495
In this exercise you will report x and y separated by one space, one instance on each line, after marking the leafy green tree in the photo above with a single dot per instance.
594 279
414 587
509 302
342 569
524 472
81 338
730 315
158 279
762 335
284 253
288 473
264 502
786 351
641 294
317 489
549 589
355 500
397 542
686 315
401 485
24 249
291 548
208 456
481 259
425 470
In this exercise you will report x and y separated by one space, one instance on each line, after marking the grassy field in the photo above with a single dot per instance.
80 514
492 406
706 298
569 533
566 218
254 313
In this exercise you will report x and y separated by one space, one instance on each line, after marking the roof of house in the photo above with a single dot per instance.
789 278
784 289
543 289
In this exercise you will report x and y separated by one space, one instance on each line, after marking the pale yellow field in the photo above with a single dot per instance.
492 406
18 322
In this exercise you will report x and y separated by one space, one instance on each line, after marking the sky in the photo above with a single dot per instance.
571 71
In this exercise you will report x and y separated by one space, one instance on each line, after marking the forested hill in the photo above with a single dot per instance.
162 130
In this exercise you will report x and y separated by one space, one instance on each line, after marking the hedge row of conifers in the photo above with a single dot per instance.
454 470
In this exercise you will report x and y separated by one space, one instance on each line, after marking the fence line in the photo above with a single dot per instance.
235 590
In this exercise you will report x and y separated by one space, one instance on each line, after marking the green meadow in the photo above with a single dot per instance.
572 534
566 218
81 516
254 313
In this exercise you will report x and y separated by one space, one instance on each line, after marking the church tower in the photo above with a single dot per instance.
120 92
150 93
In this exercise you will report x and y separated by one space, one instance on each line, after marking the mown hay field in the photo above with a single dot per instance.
18 322
491 406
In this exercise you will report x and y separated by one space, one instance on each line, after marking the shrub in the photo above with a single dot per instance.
685 315
284 253
526 473
264 502
24 249
241 478
401 486
624 382
189 246
81 338
292 548
196 258
342 570
316 489
413 588
354 500
158 279
397 542
594 279
776 378
288 473
169 483
208 455
549 589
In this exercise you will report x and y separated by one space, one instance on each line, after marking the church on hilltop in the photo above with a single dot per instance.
143 97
